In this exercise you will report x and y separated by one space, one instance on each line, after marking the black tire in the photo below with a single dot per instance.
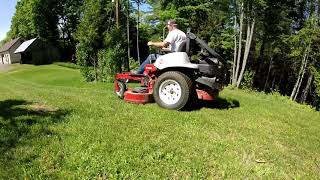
178 98
122 89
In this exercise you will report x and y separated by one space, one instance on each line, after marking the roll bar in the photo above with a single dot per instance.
191 36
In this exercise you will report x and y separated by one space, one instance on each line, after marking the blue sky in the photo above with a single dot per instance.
143 7
7 9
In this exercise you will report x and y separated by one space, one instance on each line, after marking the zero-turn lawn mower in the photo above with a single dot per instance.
172 81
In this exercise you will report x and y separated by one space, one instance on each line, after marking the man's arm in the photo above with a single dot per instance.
158 44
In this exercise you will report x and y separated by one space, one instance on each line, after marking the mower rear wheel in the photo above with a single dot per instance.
172 90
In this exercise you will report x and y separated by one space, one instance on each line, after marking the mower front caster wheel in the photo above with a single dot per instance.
122 88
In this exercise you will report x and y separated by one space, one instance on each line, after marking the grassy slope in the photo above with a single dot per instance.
52 125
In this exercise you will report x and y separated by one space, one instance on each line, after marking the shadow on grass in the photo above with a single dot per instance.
21 122
218 103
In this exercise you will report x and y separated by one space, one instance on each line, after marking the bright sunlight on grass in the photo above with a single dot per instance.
54 125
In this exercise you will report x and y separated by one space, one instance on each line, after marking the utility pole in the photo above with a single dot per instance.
138 21
128 34
117 13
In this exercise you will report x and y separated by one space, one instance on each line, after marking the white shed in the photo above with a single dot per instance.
7 55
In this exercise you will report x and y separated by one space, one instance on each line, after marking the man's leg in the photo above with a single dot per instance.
150 58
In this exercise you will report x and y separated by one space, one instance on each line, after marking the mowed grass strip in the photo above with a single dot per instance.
54 125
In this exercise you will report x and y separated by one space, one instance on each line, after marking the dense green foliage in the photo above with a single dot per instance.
53 126
271 45
51 20
282 32
101 48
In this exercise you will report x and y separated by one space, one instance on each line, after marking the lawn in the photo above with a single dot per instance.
54 125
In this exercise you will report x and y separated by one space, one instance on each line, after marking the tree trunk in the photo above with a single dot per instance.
235 51
316 8
301 79
240 46
138 50
127 66
306 89
63 33
261 57
247 50
294 91
273 81
279 84
270 66
95 68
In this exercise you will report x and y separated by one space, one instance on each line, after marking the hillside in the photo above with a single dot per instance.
54 125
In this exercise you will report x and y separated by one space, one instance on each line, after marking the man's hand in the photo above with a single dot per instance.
150 43
165 49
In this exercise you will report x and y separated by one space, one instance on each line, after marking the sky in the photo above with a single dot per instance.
7 9
144 7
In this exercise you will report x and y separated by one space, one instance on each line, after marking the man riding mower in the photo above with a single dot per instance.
172 81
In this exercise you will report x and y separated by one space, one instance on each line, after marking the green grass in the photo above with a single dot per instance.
54 125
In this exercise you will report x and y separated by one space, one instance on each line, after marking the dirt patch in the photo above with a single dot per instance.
42 108
5 68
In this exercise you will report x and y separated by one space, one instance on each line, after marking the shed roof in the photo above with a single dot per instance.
8 45
24 46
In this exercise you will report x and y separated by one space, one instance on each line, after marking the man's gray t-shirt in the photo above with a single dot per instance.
175 38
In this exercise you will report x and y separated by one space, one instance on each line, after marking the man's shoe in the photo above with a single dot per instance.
134 72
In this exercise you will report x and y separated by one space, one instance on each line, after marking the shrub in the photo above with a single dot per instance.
247 82
109 63
133 64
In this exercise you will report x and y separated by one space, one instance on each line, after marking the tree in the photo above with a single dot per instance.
23 22
248 12
138 3
128 34
304 42
276 42
69 12
49 20
100 48
89 34
35 18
